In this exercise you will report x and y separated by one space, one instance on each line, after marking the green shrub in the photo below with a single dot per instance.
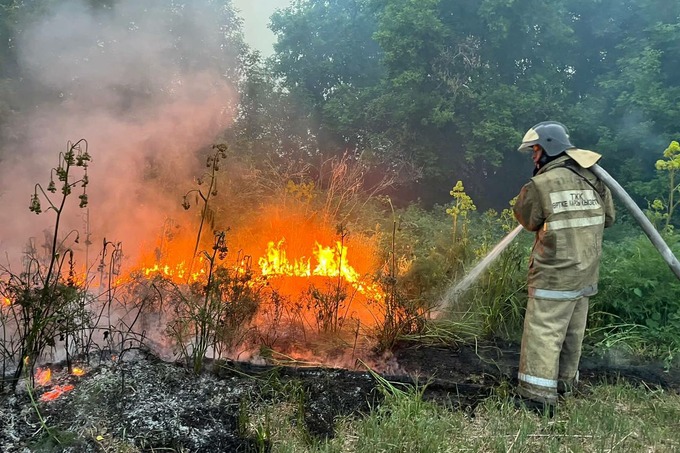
637 288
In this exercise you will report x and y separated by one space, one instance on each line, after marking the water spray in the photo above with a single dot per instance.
458 289
586 159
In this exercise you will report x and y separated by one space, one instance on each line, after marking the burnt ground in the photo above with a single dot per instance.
474 371
141 403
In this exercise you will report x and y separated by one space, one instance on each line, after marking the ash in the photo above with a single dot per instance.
141 403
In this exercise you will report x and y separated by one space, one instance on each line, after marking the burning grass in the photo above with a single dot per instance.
223 303
298 267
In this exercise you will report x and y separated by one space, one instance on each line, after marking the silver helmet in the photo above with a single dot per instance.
552 136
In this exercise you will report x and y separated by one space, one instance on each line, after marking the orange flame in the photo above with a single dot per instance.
276 262
56 392
304 248
7 301
330 262
78 279
177 272
43 376
77 371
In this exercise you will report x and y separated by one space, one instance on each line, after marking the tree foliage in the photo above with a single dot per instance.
445 88
451 86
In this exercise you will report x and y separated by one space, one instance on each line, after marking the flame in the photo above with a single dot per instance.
331 265
56 392
178 272
7 301
298 254
175 271
78 279
276 262
330 262
43 376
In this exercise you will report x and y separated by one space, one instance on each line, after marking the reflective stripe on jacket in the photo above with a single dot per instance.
568 207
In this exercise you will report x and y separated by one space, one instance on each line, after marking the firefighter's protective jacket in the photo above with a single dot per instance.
568 207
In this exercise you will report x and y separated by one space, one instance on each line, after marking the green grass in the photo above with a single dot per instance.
610 418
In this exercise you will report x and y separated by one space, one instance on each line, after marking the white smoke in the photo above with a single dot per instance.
146 84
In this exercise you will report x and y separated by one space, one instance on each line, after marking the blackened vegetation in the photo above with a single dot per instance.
324 393
472 372
139 401
143 401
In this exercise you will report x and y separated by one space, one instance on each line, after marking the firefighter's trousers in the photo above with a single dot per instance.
551 347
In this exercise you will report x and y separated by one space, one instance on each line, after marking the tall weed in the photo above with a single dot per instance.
42 304
212 316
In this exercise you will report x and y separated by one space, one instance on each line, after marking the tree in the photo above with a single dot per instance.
451 86
325 57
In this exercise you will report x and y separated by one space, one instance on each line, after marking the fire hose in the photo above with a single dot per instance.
586 159
640 217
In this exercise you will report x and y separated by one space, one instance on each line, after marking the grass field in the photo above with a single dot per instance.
604 418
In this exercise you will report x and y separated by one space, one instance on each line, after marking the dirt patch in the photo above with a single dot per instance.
144 402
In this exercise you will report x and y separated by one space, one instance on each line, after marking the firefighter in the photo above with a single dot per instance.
567 207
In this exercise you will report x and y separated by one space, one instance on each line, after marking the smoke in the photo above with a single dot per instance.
147 84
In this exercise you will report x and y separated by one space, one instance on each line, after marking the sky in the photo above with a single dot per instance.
256 15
